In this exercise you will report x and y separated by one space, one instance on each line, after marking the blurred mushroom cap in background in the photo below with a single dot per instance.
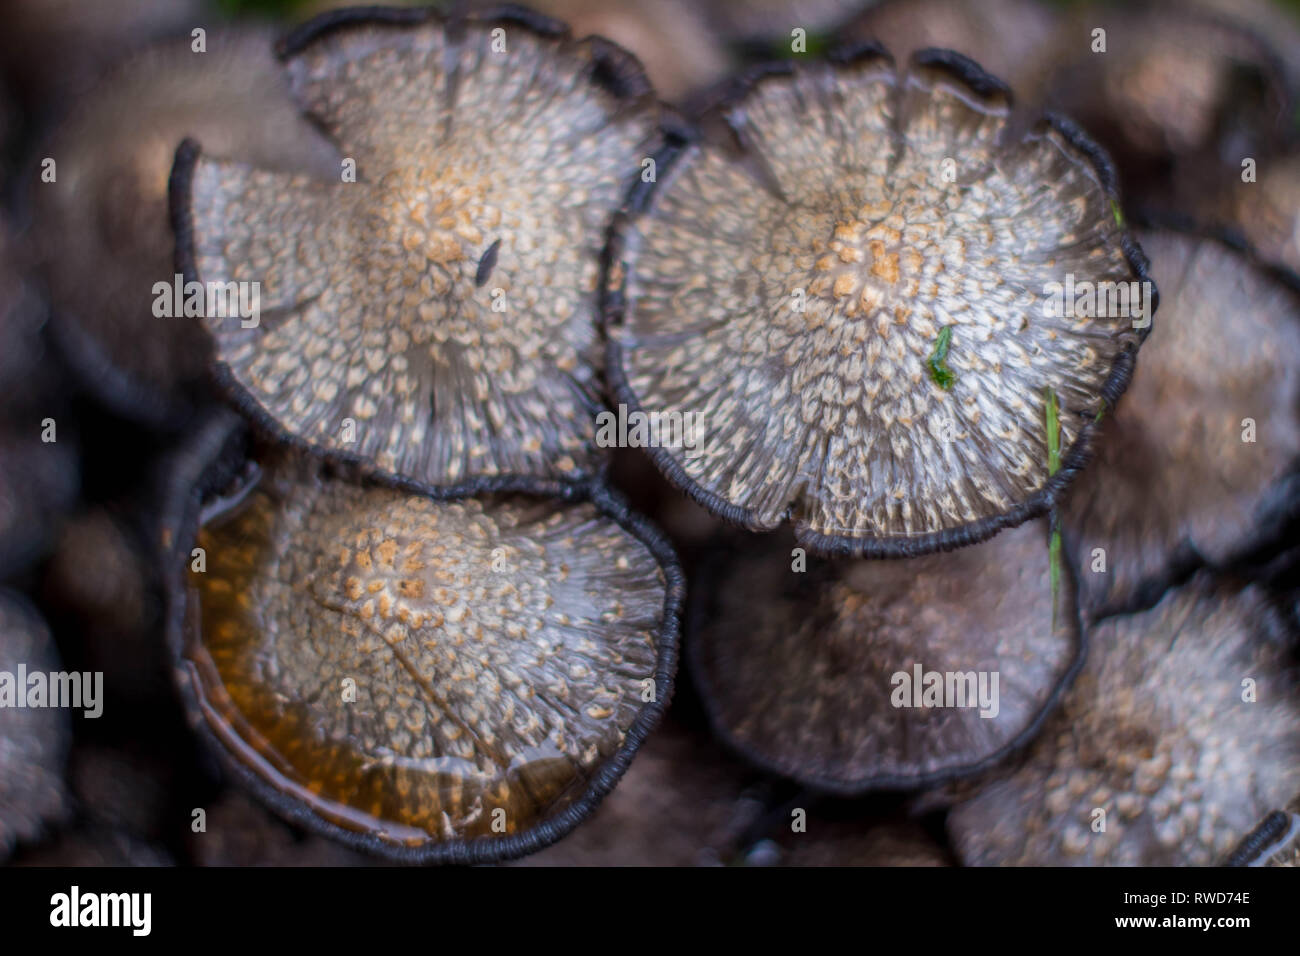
102 229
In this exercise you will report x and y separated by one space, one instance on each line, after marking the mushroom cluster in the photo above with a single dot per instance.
394 362
399 665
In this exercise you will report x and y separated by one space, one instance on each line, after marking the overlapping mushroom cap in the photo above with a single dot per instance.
1201 462
435 680
101 226
434 318
1008 38
865 308
1183 729
829 675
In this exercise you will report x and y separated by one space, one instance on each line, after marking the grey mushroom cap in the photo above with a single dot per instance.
39 480
683 802
428 680
1009 38
1200 464
671 38
424 320
1183 729
799 300
1160 87
33 740
101 227
824 675
1265 211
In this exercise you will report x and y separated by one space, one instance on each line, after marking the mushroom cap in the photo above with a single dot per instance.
797 299
111 601
33 740
1156 733
38 481
1007 37
1171 85
102 227
499 654
679 804
805 680
434 319
1267 211
1275 22
1173 483
670 38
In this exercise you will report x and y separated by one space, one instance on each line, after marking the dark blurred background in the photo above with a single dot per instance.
96 394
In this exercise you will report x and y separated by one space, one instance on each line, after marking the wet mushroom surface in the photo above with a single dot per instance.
431 680
862 306
421 314
1198 464
858 675
1183 729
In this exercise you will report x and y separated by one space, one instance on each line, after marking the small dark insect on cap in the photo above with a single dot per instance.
427 679
866 310
1199 463
431 314
1181 732
828 674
